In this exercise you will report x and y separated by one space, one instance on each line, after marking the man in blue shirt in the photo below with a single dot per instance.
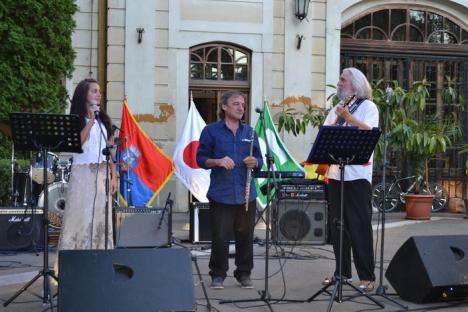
225 149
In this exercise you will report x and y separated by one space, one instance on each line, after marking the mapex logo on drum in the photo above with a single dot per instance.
16 219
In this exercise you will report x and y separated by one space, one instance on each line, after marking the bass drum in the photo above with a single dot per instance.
56 206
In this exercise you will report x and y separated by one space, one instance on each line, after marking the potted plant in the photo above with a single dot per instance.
421 136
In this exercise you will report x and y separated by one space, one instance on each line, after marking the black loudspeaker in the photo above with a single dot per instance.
143 227
21 229
430 268
200 224
300 222
123 280
200 229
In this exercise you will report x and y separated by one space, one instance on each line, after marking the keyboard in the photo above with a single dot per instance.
280 174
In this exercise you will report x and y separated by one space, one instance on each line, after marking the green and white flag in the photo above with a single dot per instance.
282 159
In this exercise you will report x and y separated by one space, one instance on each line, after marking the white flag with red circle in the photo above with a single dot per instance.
195 179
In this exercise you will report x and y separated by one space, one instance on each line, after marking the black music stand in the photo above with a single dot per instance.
342 146
44 132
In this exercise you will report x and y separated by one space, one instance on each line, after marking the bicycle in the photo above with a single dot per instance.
396 191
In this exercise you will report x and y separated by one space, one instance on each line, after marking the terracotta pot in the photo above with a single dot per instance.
418 207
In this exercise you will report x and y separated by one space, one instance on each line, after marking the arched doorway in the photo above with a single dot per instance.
215 68
408 43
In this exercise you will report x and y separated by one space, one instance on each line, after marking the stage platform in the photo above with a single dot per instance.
304 267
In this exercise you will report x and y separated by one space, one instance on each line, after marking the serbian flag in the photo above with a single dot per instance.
144 168
195 179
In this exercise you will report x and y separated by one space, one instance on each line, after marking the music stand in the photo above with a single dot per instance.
342 146
44 132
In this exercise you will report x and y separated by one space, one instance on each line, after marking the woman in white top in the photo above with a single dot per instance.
83 224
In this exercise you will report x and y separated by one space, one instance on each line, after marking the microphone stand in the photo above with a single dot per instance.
128 180
264 294
381 289
106 152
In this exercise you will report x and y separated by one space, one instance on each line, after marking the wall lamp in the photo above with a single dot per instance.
302 7
140 32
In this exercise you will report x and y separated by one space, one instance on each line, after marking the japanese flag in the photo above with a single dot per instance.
195 179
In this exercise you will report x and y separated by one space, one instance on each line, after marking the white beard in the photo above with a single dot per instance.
341 94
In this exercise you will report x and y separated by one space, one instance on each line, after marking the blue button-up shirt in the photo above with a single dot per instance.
218 141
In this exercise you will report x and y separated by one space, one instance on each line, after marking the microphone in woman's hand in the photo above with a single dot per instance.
94 107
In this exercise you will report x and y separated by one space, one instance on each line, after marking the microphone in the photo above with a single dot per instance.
389 92
93 105
114 127
258 110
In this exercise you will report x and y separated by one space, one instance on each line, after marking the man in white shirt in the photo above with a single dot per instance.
357 235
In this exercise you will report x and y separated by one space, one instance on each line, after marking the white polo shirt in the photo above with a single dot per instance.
368 113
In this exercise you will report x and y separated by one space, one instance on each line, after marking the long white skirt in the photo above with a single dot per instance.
83 224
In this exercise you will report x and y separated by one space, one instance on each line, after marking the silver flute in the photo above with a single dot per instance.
249 174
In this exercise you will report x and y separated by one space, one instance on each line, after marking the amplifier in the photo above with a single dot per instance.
200 225
316 191
143 227
298 221
21 229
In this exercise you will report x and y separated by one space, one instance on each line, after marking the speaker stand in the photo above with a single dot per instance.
202 283
381 289
200 279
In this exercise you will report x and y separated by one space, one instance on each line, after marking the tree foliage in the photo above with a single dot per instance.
36 54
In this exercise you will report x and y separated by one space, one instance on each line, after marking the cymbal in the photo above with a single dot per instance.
5 128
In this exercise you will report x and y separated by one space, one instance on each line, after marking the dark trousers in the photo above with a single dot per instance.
357 234
226 219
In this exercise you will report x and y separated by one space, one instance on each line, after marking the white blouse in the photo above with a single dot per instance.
92 147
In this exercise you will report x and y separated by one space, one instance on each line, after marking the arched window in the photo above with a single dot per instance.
214 69
219 63
410 25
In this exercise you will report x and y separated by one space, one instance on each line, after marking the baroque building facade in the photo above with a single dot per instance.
158 53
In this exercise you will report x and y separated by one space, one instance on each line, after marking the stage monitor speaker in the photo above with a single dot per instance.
122 280
21 229
200 224
300 222
430 268
143 227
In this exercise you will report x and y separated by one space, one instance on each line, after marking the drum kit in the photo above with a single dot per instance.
28 185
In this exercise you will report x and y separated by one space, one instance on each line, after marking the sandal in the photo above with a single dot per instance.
327 280
366 286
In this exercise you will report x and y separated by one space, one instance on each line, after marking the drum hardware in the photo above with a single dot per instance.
20 190
63 171
118 141
37 167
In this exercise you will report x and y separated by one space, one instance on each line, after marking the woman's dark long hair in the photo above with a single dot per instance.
80 107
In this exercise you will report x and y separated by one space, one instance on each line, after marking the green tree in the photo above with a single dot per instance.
36 55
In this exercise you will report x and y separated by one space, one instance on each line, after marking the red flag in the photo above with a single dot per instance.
145 169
